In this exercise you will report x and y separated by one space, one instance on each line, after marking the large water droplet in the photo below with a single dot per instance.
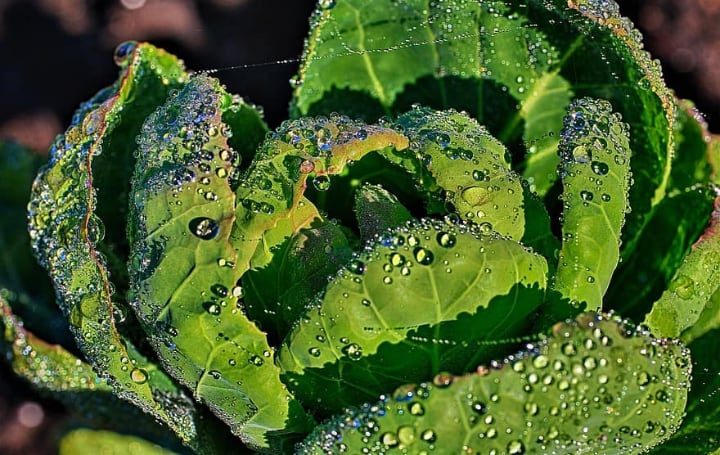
423 256
321 183
139 376
123 52
600 168
204 228
353 351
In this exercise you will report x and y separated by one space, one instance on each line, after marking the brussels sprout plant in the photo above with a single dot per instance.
442 251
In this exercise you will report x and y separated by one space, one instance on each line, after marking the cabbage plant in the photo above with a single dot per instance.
487 228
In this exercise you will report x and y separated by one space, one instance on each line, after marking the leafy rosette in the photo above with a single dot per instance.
463 183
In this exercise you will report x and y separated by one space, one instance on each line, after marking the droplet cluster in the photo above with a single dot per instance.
598 385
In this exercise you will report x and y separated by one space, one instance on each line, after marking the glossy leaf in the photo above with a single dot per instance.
48 367
184 288
107 443
188 262
595 174
597 385
275 295
442 54
674 226
692 286
452 156
67 236
701 425
394 313
22 281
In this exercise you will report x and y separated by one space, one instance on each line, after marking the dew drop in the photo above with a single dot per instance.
446 240
599 168
389 439
353 351
416 409
321 182
586 195
204 228
428 436
314 351
423 256
123 52
581 154
326 4
138 376
442 139
256 360
443 380
515 447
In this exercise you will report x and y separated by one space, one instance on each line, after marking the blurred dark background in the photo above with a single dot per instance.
56 53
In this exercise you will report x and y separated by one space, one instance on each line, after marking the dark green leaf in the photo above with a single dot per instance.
675 224
590 388
276 294
377 211
691 287
22 280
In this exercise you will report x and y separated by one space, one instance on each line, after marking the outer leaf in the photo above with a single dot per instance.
67 237
692 286
691 164
185 287
49 367
54 371
107 443
675 224
595 173
22 280
419 300
698 433
596 386
531 57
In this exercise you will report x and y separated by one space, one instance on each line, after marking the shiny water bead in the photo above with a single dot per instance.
123 52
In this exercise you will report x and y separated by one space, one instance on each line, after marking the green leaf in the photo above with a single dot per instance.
451 155
674 225
22 280
55 372
276 295
691 287
377 211
595 174
701 425
420 299
107 443
690 164
512 65
68 235
589 388
49 367
185 285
